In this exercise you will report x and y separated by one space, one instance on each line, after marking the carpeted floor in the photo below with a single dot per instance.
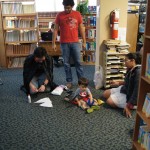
25 126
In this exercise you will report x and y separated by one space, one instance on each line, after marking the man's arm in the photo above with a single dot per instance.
56 27
82 33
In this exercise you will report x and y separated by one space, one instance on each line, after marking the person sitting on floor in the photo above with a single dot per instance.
125 95
84 98
38 72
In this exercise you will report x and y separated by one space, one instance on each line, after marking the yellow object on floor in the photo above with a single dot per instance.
100 102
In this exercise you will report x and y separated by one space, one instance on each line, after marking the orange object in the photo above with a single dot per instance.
114 23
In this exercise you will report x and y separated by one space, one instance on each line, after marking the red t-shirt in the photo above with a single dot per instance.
69 24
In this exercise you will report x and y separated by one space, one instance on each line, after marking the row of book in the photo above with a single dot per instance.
88 57
17 8
144 137
90 33
44 25
47 14
90 20
147 74
146 105
92 9
20 49
16 22
16 62
91 46
23 35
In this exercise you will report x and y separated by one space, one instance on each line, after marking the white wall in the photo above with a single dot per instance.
51 5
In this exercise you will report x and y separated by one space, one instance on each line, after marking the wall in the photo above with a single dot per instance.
132 32
2 49
103 28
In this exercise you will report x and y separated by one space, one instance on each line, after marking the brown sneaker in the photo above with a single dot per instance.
69 85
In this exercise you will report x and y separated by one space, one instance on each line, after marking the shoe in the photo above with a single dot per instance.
95 107
89 110
100 102
69 85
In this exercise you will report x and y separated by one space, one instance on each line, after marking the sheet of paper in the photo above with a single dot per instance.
45 102
57 91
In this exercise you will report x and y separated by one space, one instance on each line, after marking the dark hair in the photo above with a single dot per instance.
136 56
68 2
39 52
83 81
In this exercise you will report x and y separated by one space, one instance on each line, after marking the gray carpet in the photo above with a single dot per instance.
25 126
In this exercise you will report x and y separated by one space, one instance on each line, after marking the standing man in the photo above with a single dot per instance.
69 21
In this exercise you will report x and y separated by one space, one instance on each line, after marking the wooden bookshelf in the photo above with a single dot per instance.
144 86
88 55
20 30
45 19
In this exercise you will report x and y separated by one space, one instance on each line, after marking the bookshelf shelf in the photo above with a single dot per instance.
146 36
137 146
90 40
143 116
88 63
21 42
21 55
90 14
146 79
19 15
27 29
43 30
90 27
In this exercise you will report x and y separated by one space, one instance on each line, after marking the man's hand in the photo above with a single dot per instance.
54 47
84 45
42 88
127 112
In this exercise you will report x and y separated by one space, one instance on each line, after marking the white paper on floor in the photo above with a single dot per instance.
45 102
58 90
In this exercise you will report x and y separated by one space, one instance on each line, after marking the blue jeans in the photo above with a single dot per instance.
71 50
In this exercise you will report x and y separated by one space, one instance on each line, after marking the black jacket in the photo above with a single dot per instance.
30 67
130 88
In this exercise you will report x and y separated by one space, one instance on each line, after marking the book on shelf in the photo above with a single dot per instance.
91 33
89 21
147 74
146 102
144 137
92 9
91 46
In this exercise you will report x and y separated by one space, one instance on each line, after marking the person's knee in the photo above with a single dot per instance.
106 93
111 102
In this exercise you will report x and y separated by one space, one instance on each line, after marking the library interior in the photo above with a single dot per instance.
113 29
